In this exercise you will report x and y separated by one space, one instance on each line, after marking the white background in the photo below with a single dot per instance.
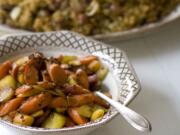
156 59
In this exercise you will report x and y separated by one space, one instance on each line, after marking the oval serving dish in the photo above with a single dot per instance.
121 79
128 34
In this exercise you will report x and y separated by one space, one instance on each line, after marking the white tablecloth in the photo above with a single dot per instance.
156 59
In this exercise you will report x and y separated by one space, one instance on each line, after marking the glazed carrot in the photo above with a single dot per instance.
78 100
57 74
76 117
36 103
30 74
22 89
74 89
4 68
82 78
27 91
100 102
59 102
69 122
88 59
10 106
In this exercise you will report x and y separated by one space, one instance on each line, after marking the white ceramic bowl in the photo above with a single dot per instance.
121 80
